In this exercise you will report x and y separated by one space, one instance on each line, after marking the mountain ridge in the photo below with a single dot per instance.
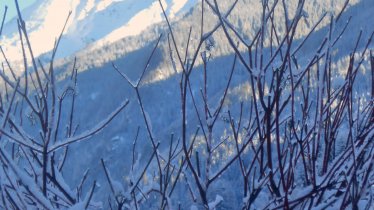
92 22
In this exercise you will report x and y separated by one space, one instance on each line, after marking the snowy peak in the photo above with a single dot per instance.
92 22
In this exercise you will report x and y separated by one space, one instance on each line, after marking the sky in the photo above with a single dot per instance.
11 7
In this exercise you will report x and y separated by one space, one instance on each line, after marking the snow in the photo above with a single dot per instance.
93 23
256 72
135 25
300 192
177 5
92 131
62 182
104 4
212 205
26 181
149 122
45 27
89 6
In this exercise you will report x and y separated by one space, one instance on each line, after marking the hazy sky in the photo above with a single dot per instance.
11 7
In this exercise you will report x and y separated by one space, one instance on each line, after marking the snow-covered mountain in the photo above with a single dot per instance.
92 22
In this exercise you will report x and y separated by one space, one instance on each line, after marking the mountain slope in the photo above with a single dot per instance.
94 22
159 96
